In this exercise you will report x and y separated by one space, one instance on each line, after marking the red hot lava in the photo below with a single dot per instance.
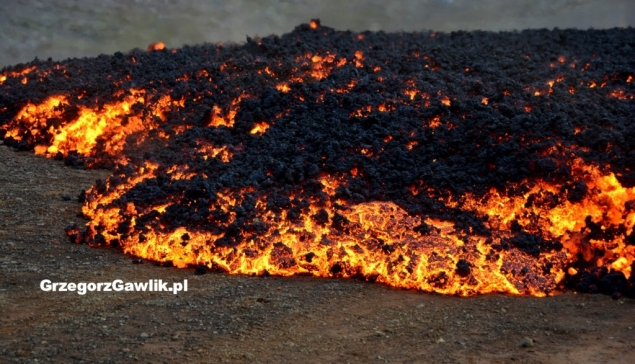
459 163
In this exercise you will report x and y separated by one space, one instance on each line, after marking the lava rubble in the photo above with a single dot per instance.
460 163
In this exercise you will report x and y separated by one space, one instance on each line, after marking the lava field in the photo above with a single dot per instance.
458 163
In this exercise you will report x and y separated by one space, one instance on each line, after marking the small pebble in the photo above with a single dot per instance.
526 342
144 335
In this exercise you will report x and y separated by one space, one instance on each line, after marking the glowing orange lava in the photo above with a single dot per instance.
328 235
105 127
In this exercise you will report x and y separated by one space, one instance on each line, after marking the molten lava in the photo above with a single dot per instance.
421 161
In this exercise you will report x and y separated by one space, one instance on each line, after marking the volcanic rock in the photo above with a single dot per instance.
460 163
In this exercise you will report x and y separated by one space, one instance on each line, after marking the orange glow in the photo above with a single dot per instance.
565 222
411 94
406 259
207 150
259 129
220 118
331 236
435 122
91 125
383 107
621 95
379 241
314 24
5 75
362 112
283 87
307 247
359 57
159 46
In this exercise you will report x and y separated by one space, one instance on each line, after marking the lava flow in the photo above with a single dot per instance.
462 163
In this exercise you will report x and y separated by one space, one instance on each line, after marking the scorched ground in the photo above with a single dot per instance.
461 163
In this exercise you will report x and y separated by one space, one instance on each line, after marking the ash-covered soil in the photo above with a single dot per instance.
232 319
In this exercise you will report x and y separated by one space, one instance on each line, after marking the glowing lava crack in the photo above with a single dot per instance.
460 163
